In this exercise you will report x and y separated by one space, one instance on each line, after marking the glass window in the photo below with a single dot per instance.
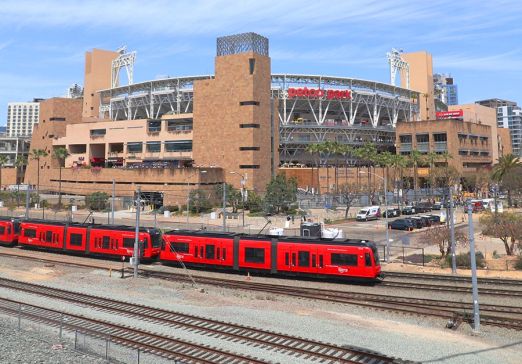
440 137
179 247
153 147
254 255
2 230
367 259
128 242
135 147
224 257
106 242
423 138
303 259
344 259
210 251
287 259
48 236
76 239
30 233
98 132
178 146
154 126
405 138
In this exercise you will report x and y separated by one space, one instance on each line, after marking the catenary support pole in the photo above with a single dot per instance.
137 232
452 233
113 200
388 251
27 200
224 206
474 286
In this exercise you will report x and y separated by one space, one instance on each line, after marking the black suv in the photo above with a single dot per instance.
401 224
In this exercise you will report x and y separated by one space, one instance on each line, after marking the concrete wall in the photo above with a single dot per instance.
98 67
218 115
421 80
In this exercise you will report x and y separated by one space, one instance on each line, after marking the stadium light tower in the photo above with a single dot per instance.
124 60
398 64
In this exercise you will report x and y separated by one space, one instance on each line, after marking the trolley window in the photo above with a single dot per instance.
30 233
2 230
344 259
287 259
106 242
210 251
76 239
224 255
48 236
128 243
254 255
179 247
376 259
303 259
367 259
314 261
156 239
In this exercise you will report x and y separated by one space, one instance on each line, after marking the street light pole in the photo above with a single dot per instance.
243 192
137 232
474 285
452 233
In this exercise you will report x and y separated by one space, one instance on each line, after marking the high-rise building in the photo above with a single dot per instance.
445 90
21 117
509 115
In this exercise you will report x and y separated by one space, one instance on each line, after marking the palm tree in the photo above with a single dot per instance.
367 153
60 154
384 160
37 154
416 159
313 149
20 162
506 164
430 160
398 163
3 160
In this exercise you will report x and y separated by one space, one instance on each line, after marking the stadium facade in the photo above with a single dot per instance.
203 130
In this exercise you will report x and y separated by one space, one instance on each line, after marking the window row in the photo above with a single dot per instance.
155 147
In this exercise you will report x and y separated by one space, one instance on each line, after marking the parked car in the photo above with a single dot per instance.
417 224
391 212
423 207
477 206
408 210
426 219
401 224
435 219
437 206
422 222
368 213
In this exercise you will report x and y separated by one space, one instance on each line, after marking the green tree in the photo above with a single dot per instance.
37 155
3 160
398 163
97 201
254 202
281 194
506 165
416 160
505 226
60 154
200 201
20 162
367 155
234 197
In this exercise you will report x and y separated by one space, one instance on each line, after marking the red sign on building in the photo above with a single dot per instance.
455 114
317 93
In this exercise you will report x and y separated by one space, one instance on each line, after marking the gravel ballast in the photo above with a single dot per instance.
407 337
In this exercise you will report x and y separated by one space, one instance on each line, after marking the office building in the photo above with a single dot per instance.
21 118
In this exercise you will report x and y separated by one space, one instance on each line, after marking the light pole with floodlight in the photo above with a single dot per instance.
243 192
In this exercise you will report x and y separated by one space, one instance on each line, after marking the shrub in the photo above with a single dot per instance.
464 260
96 201
518 263
171 208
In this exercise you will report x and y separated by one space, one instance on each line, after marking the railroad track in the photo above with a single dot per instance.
148 342
447 288
495 315
450 278
297 346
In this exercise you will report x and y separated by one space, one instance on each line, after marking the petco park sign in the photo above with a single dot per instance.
317 93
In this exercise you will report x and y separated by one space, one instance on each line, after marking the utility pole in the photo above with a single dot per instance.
137 232
27 200
476 312
224 206
452 234
112 201
388 247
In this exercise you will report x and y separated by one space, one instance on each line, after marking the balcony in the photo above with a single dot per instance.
440 146
423 147
405 147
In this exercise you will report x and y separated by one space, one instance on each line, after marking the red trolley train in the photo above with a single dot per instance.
9 230
354 259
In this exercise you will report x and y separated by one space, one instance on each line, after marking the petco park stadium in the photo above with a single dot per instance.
305 109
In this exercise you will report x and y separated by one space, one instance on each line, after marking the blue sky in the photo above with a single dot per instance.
42 43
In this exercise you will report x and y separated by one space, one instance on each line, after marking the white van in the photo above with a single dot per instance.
368 213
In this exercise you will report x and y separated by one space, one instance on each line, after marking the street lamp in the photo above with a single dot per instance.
387 255
188 192
243 192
